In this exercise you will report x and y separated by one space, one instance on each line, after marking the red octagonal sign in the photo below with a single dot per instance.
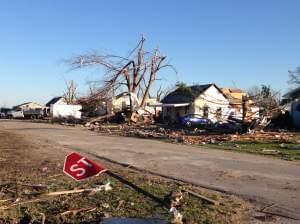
80 168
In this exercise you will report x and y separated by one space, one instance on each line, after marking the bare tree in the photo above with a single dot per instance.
159 93
132 72
156 65
265 98
70 94
92 88
294 77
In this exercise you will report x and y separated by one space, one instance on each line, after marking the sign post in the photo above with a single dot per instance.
80 168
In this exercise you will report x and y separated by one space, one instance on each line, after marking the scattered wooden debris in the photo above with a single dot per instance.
76 211
175 198
191 136
43 218
176 216
100 118
106 187
270 151
6 184
35 186
206 199
18 203
6 200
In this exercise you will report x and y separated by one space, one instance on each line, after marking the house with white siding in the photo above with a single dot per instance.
206 100
58 108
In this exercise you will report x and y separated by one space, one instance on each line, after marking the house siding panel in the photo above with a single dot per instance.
214 100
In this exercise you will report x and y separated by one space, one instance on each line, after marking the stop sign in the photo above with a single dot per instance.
80 168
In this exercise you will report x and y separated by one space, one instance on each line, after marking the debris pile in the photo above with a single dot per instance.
190 136
39 190
176 198
255 137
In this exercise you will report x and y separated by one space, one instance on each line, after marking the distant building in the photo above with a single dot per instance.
58 108
121 102
290 106
56 100
59 100
31 109
28 106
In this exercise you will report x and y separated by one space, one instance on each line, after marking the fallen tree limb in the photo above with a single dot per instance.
45 196
210 201
34 185
75 211
24 184
106 187
21 203
6 200
56 175
100 118
5 184
43 217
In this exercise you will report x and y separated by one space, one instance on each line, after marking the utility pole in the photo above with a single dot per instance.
245 106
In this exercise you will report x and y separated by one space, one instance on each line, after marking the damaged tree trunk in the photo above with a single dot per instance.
70 94
245 108
156 63
130 71
245 111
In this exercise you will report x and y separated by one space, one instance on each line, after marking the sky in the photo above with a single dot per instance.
231 43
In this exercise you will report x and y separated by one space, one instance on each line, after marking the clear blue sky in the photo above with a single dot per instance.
228 42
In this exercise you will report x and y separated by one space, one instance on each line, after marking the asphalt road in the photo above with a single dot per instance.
271 183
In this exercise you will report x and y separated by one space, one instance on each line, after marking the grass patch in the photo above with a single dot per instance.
120 202
280 150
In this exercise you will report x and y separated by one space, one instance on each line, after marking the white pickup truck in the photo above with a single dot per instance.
33 113
15 114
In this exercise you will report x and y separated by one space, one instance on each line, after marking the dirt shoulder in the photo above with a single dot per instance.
30 169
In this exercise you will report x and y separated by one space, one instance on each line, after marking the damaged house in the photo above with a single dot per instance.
290 107
56 101
121 102
239 101
206 100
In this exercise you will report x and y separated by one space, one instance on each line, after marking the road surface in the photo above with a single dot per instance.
271 183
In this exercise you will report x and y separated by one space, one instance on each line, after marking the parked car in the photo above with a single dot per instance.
4 111
2 115
195 120
227 127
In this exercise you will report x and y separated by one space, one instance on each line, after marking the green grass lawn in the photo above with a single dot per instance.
281 150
